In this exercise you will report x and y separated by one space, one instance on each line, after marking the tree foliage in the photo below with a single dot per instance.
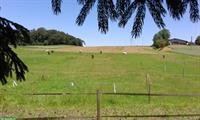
41 36
161 39
124 9
197 41
10 34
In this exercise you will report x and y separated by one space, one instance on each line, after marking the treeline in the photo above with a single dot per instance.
42 36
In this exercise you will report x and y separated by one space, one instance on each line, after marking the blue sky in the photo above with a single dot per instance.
38 13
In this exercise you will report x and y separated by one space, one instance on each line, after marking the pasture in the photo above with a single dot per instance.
176 73
189 50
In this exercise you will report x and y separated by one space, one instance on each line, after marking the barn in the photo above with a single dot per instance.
176 41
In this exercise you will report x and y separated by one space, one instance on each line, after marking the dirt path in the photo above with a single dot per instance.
114 49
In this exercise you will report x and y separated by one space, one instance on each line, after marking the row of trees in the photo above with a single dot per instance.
42 36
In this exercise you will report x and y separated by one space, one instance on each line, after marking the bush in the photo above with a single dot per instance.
161 39
160 43
197 41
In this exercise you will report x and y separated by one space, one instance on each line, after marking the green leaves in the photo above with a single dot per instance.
139 19
122 6
161 39
157 12
197 41
105 10
176 8
42 36
194 10
56 6
87 6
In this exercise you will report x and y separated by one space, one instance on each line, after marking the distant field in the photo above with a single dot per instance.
178 73
104 49
189 50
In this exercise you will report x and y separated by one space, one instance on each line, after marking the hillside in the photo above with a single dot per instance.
184 49
104 49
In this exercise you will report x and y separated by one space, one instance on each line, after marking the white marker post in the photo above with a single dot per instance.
72 84
114 88
14 83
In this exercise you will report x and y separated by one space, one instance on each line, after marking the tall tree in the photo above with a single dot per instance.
161 39
124 9
197 41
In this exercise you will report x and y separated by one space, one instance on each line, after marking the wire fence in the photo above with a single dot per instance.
99 116
99 94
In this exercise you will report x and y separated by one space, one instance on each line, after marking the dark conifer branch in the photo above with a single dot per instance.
56 6
10 34
123 10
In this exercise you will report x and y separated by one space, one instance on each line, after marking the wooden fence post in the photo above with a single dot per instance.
149 92
146 80
98 105
164 66
148 88
183 73
198 64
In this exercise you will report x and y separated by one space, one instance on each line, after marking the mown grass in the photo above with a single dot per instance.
177 73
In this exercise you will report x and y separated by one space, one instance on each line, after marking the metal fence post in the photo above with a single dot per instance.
98 105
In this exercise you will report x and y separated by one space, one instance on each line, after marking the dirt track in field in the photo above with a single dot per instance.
104 49
116 49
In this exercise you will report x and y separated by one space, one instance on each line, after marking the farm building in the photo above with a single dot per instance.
176 41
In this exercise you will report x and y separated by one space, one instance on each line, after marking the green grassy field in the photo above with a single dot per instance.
178 73
189 50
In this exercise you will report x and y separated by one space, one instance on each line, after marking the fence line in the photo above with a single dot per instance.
98 99
109 93
152 116
98 105
62 117
114 116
